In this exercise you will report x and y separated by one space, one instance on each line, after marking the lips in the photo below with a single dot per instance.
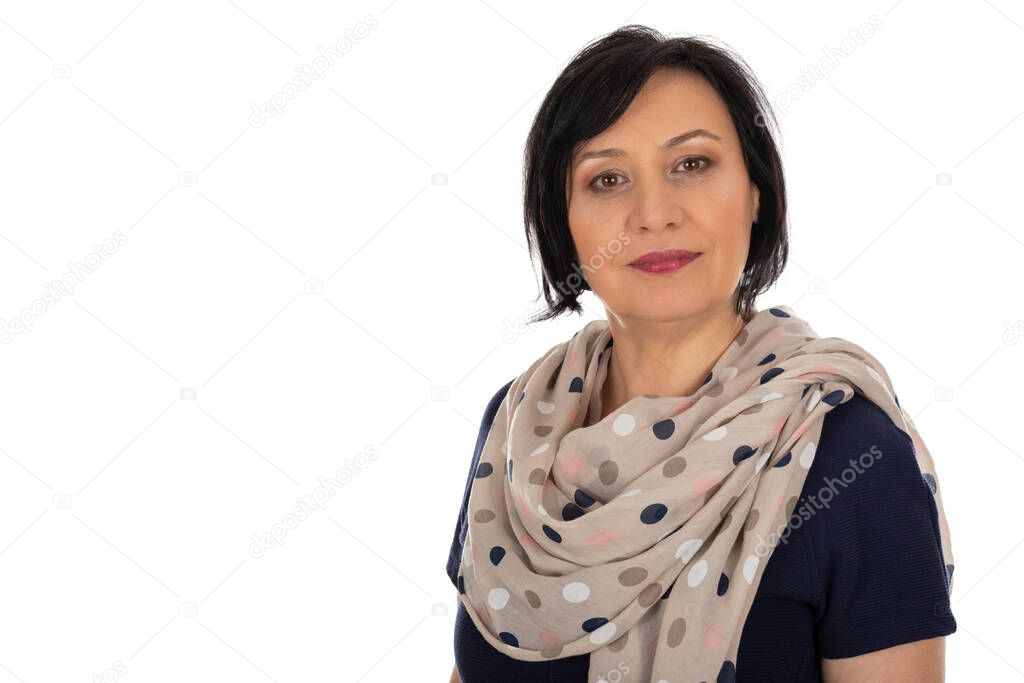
663 256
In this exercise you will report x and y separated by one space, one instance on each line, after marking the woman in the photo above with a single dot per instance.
693 489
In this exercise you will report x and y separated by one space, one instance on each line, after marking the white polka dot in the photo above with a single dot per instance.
604 634
542 512
727 373
545 407
630 493
688 548
577 591
697 573
770 397
540 449
871 371
807 456
761 461
749 567
815 397
497 598
623 424
716 434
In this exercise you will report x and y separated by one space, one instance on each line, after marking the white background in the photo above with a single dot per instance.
332 308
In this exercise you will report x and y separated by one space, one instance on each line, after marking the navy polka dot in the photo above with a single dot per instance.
497 552
461 585
571 511
576 385
767 359
742 453
583 499
484 469
593 624
510 469
774 372
522 396
664 429
784 460
804 392
551 533
510 639
778 312
653 513
723 584
707 379
949 573
834 398
930 480
668 592
728 671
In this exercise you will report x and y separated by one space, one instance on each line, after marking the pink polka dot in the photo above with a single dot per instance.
652 645
804 426
548 638
703 483
714 637
779 424
485 617
773 334
570 359
526 541
683 404
601 537
572 464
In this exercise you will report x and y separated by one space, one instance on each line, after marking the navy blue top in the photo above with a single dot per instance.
863 574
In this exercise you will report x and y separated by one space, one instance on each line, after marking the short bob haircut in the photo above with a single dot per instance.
590 94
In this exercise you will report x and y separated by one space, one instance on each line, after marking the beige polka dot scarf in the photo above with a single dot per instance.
612 537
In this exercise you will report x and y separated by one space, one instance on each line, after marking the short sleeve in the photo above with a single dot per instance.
875 537
459 537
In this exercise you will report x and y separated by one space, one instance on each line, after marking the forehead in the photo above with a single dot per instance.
671 102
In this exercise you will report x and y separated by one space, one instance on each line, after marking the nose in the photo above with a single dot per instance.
658 205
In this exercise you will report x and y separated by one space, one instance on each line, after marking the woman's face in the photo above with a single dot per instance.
642 193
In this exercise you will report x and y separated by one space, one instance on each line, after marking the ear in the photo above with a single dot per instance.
757 201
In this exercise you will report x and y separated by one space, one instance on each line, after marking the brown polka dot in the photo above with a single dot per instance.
649 595
715 390
608 472
728 506
676 632
741 338
673 466
619 642
632 576
542 430
483 516
790 506
538 475
752 518
726 522
551 652
712 491
756 408
533 599
650 396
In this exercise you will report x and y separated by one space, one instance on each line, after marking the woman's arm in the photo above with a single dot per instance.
455 676
922 661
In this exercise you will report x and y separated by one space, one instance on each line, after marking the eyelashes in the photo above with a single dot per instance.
595 184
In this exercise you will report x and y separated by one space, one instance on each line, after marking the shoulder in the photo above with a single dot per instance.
873 533
859 434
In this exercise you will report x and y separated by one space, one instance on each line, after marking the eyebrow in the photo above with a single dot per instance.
677 140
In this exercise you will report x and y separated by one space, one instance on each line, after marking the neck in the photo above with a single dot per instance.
665 358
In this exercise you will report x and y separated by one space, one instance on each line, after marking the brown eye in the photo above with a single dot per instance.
689 163
602 182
